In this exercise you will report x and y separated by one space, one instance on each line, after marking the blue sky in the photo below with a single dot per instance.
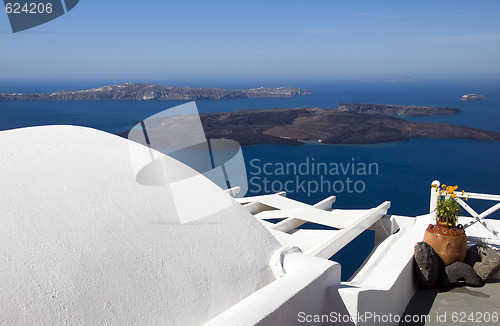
258 40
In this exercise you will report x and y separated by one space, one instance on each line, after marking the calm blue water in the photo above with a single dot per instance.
404 169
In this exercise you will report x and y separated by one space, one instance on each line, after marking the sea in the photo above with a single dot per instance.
360 176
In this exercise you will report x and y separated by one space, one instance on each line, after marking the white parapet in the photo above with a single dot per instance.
386 283
301 292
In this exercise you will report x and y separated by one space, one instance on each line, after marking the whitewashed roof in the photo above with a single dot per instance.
81 242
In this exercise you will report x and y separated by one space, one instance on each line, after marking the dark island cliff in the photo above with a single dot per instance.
396 109
329 126
142 92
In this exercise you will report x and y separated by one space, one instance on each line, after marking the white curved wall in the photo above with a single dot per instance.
82 242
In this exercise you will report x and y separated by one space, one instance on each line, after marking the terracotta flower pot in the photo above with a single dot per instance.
450 243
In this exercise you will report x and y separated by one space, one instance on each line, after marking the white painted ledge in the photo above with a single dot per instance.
304 288
386 283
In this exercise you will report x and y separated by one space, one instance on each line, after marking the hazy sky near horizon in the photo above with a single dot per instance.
279 40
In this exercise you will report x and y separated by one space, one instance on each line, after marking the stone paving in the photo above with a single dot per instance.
462 305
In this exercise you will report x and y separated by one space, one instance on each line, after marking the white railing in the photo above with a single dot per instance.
468 195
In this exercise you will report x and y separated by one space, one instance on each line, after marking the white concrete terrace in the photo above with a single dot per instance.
82 242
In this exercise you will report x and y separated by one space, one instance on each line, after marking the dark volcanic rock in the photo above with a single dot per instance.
396 109
329 126
295 126
484 260
456 272
426 264
248 126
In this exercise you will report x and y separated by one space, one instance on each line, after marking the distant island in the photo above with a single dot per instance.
142 92
328 126
472 97
346 124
